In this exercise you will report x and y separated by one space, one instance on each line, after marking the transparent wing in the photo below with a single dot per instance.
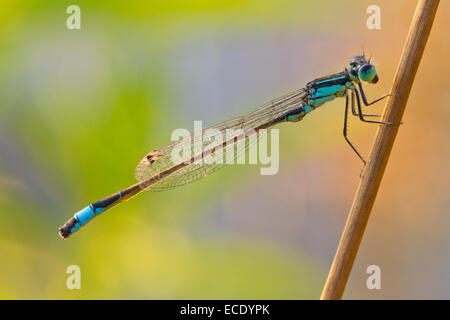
225 139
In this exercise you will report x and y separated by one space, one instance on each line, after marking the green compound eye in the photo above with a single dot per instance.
368 73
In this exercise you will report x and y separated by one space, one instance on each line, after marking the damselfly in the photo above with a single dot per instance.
157 171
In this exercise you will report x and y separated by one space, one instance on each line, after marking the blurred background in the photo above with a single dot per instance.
80 108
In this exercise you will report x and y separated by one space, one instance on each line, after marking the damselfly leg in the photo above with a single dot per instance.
355 113
345 128
360 114
363 96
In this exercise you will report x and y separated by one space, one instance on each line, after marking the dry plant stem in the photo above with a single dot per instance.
381 149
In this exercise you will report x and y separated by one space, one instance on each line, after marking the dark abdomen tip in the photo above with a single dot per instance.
68 228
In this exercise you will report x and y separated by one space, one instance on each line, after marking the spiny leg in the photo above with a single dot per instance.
355 113
361 115
345 129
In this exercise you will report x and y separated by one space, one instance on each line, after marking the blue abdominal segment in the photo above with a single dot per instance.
88 213
75 227
85 215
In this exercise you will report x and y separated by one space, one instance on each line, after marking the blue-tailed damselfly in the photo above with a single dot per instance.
156 171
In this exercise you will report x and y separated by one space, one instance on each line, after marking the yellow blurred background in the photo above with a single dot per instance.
80 108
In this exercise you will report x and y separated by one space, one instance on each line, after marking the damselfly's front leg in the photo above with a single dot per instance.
361 115
363 96
345 128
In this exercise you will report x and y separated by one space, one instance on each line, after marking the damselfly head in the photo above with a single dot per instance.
366 71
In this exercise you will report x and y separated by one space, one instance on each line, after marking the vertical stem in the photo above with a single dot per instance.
381 149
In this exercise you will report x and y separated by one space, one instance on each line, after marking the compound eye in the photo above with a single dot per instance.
368 73
375 79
